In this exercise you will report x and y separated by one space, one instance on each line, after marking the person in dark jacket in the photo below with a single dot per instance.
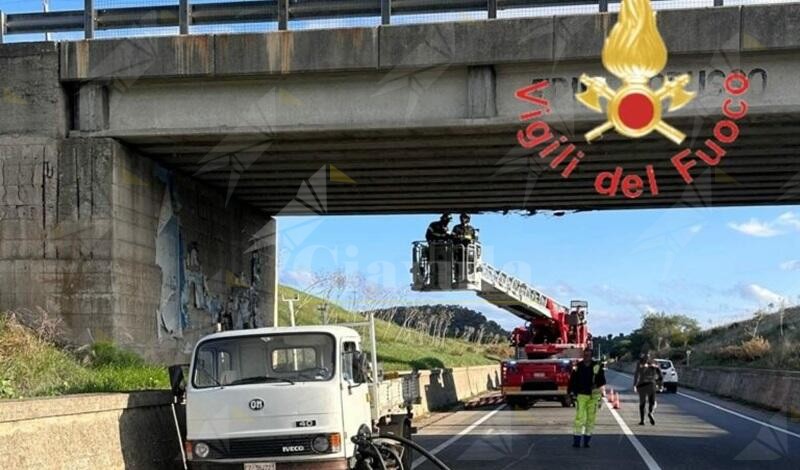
587 383
646 381
437 230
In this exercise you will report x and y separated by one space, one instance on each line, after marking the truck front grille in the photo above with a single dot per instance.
262 447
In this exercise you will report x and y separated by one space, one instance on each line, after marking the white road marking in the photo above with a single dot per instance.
648 459
734 413
740 415
420 460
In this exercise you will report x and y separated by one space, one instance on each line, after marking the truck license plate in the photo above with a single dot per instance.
260 466
538 374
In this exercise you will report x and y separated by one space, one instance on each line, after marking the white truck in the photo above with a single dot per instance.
289 398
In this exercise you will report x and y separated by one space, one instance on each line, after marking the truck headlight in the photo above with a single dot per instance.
201 450
320 444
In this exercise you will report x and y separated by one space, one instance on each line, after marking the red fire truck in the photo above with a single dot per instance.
546 349
549 344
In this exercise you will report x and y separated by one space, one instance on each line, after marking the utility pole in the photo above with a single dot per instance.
290 302
46 8
323 309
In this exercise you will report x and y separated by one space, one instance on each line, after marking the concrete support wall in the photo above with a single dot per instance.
110 431
115 246
221 266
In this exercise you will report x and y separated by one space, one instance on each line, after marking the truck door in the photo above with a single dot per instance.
355 396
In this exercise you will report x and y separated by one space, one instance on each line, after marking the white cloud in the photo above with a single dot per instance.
757 228
760 294
789 219
298 277
695 228
791 265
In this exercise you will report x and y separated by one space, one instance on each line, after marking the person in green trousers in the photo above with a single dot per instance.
587 383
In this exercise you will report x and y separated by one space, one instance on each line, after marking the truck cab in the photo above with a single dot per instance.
285 398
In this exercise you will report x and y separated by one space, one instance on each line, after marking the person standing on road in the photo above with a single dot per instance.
587 382
646 381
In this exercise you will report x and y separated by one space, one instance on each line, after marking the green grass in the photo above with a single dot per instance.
30 366
397 350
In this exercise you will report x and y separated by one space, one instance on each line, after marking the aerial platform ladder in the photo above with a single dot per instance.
449 266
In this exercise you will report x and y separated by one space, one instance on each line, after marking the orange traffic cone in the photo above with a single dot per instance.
616 401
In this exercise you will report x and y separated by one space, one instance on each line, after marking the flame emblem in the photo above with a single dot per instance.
635 52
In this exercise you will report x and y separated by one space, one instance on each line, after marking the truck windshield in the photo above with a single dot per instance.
280 358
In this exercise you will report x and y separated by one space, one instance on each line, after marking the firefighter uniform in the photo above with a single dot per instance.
437 231
464 233
585 383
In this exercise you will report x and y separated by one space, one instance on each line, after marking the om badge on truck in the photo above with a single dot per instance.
256 404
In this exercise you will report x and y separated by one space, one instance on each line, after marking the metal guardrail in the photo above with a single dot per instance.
184 14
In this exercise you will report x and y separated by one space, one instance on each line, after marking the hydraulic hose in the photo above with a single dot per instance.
414 446
378 455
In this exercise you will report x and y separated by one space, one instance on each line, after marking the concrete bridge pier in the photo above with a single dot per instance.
107 241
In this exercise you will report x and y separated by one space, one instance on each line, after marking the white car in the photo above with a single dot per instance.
670 375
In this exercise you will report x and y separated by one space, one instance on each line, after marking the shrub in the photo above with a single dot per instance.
756 348
106 354
749 350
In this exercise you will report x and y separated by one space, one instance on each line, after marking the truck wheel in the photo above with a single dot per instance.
567 402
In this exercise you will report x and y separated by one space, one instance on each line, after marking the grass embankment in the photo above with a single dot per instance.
31 364
765 343
398 349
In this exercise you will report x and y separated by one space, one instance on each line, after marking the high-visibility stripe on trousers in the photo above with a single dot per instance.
586 413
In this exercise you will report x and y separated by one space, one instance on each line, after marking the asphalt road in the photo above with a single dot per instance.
689 434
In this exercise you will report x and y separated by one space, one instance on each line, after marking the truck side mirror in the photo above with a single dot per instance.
177 381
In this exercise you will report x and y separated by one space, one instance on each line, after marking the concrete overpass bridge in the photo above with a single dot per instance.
139 170
424 118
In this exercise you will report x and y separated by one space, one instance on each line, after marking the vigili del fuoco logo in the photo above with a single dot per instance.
634 52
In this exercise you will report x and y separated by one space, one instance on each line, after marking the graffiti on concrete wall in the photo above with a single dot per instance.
170 317
186 300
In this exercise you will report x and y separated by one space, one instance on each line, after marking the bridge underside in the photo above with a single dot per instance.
478 167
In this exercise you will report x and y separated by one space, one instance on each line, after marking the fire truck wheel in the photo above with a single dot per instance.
567 402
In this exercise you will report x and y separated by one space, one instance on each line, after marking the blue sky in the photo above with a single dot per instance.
715 265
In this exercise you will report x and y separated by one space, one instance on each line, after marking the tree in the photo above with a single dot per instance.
662 331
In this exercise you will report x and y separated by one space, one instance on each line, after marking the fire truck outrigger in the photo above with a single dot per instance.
545 349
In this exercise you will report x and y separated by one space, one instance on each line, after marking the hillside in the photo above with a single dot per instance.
398 348
734 344
764 341
454 321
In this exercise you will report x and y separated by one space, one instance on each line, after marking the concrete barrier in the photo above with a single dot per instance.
137 431
443 388
771 389
119 430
